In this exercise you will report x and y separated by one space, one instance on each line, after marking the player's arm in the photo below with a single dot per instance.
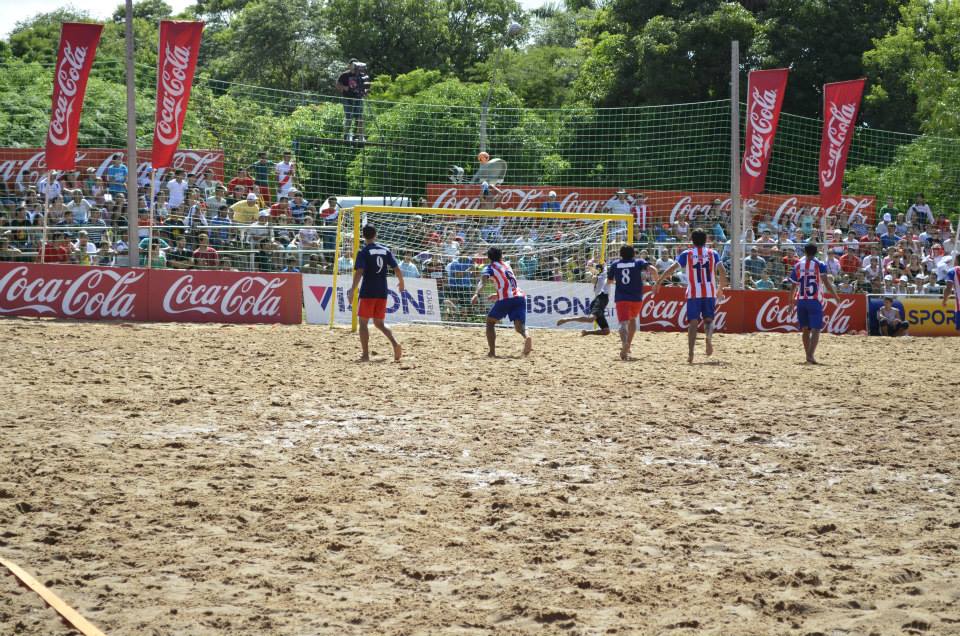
399 273
946 291
793 292
357 275
828 283
664 276
480 283
722 280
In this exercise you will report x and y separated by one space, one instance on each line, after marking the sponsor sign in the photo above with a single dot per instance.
23 167
419 301
72 291
232 297
176 62
841 103
78 48
768 311
662 206
926 315
764 100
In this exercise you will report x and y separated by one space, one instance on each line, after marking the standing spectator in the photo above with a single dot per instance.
919 214
833 265
284 171
619 205
353 84
459 280
247 211
307 237
243 179
206 183
527 264
765 243
117 176
260 170
754 264
205 256
806 223
889 208
890 239
218 199
56 188
551 204
177 189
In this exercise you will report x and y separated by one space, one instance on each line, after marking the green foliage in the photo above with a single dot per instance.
542 76
406 85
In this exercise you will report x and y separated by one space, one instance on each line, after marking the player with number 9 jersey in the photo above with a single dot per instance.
375 261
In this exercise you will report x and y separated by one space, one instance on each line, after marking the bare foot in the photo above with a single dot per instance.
583 332
527 346
397 352
491 354
364 358
812 361
709 348
690 359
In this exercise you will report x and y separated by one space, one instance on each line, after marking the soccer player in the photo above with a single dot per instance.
809 277
953 284
704 271
627 274
511 301
373 263
598 306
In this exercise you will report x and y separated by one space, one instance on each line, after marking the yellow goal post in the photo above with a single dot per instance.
539 244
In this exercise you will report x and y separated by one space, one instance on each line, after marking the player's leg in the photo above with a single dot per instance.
884 328
693 324
603 327
814 341
385 330
815 322
564 321
518 315
709 310
805 334
364 340
631 332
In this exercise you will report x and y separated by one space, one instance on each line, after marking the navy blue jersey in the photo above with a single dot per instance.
628 276
376 261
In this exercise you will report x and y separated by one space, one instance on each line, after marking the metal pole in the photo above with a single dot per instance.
46 213
133 234
152 206
736 229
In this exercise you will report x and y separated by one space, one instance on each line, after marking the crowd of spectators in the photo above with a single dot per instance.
259 220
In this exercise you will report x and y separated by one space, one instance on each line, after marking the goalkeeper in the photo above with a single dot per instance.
598 306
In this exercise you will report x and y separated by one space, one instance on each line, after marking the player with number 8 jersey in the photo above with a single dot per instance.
627 275
705 278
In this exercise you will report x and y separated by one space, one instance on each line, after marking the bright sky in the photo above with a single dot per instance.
13 11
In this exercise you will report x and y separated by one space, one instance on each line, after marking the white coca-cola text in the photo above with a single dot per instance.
173 85
672 314
776 315
839 125
247 296
760 137
95 293
65 92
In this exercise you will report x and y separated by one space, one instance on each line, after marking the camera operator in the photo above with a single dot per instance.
353 84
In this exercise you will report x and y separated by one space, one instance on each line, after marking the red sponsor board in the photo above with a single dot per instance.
665 206
66 291
667 311
213 296
176 62
770 311
22 167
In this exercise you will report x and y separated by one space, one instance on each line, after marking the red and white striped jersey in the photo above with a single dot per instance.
807 274
953 277
504 279
701 268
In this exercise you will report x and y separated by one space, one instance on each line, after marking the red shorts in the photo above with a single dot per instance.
375 308
628 309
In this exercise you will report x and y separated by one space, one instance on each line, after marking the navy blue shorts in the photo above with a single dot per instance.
810 314
353 108
514 308
698 308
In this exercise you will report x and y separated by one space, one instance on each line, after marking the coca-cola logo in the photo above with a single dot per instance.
776 315
672 314
65 92
790 209
761 115
247 296
839 123
173 85
95 293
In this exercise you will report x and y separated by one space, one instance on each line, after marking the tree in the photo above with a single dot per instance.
476 29
542 76
150 10
37 39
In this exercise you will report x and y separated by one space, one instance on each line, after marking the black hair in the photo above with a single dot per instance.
627 252
369 232
810 249
495 254
699 237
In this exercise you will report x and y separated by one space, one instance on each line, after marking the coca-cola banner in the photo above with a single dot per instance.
214 296
78 48
841 103
70 291
657 206
176 62
22 167
764 100
770 311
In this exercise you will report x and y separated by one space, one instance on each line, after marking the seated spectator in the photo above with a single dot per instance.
68 225
220 234
259 230
291 266
407 267
891 323
528 263
766 282
665 261
765 243
890 239
78 206
300 207
205 256
217 200
180 256
900 226
833 265
106 256
84 250
890 285
9 253
281 207
807 221
158 259
56 250
850 262
767 225
247 211
263 259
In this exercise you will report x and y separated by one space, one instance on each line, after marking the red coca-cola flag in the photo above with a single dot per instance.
78 48
841 103
764 99
176 62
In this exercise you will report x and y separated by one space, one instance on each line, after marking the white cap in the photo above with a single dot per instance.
552 193
888 277
904 279
251 197
264 213
886 217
